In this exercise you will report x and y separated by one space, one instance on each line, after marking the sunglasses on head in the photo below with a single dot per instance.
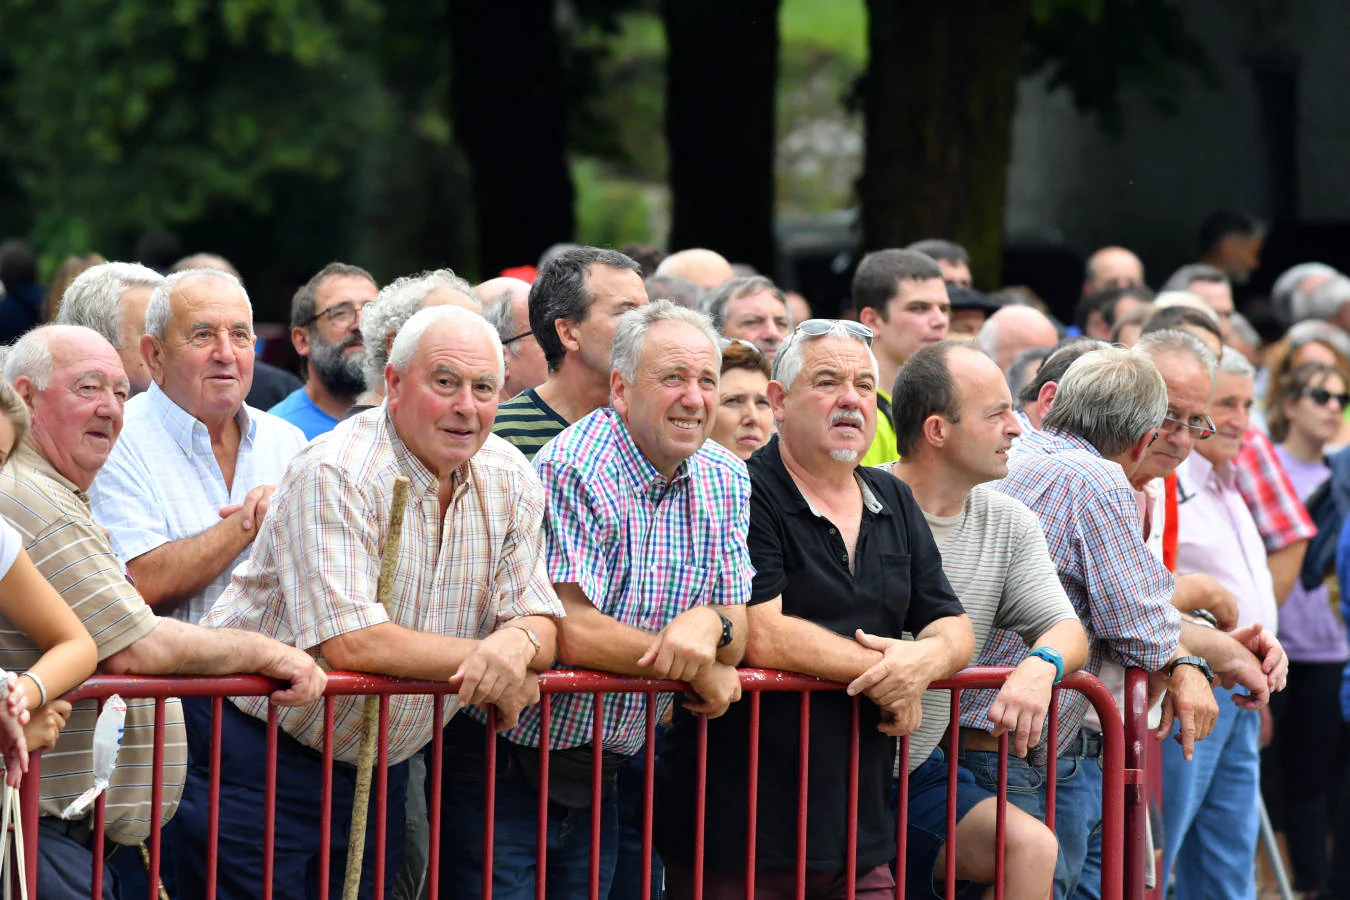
819 327
1322 396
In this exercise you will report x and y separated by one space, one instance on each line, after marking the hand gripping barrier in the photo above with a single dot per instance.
1124 790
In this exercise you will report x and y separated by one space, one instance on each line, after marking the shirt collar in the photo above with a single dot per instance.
423 480
642 475
1057 441
182 426
797 502
28 455
1201 470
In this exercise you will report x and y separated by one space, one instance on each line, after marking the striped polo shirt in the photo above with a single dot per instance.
528 422
72 552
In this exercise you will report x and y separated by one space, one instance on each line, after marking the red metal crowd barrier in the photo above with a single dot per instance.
1124 794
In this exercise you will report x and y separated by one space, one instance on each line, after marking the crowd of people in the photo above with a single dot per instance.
671 477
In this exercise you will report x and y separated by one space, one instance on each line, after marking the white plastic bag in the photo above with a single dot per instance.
107 743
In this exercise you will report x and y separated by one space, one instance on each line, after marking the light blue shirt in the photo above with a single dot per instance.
303 413
161 482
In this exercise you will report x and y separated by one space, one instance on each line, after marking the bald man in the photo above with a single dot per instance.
1112 267
506 304
1013 329
705 268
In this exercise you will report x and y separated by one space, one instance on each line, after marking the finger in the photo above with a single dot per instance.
1188 735
872 642
1165 723
1037 726
867 680
649 655
1023 734
507 717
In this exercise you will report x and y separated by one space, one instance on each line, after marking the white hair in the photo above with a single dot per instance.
393 306
499 315
31 357
1174 340
1233 362
1323 302
160 308
630 335
94 298
1289 285
410 335
1185 298
787 363
1110 398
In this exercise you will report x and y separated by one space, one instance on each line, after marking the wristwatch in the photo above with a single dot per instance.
1197 661
1205 618
1053 657
726 628
529 633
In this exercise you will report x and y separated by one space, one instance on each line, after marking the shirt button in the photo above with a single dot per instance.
832 531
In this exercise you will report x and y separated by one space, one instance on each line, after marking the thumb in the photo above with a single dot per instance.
872 641
649 655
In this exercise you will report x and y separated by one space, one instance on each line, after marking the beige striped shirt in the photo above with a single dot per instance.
313 572
72 552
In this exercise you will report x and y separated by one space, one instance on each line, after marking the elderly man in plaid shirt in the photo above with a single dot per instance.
647 549
471 602
1074 474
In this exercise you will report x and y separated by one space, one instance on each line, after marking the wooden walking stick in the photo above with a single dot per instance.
370 715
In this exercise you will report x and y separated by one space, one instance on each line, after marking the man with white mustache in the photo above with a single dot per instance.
646 547
844 563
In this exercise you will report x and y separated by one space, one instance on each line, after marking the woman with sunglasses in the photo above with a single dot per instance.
744 421
1305 414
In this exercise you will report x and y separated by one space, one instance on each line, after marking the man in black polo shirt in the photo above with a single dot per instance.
844 564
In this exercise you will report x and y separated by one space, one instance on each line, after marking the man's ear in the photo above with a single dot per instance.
300 341
935 431
870 317
567 334
152 351
23 386
618 392
1045 400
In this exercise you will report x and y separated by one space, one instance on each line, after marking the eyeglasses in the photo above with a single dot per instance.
511 340
1322 396
820 327
342 314
1198 432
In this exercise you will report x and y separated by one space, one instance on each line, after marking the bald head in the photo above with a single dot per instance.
1013 330
494 289
1112 267
705 268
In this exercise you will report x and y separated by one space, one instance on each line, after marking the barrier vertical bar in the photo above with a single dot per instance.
597 745
30 799
156 799
851 824
1052 760
1138 746
700 804
1001 820
434 804
902 817
648 794
326 800
803 771
100 820
270 804
541 836
752 798
949 889
213 798
382 794
489 801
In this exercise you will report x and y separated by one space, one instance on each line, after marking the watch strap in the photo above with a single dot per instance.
1198 662
728 632
1053 658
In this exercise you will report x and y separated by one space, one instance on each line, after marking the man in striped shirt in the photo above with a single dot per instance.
74 385
647 549
575 304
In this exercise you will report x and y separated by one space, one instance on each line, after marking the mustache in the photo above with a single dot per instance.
847 415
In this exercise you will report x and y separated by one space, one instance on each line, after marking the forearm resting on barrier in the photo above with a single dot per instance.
1024 700
778 641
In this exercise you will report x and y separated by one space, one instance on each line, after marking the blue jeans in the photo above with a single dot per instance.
1209 807
463 806
1078 813
627 883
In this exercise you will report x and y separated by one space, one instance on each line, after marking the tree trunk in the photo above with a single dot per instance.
938 103
722 72
508 96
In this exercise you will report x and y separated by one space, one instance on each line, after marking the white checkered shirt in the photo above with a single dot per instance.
313 572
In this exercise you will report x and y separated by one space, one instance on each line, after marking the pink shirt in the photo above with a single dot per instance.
1217 536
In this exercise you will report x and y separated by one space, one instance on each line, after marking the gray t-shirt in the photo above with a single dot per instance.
995 557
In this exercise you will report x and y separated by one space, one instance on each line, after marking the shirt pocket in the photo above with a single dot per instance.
895 568
668 589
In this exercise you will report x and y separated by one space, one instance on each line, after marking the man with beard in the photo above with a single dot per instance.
326 332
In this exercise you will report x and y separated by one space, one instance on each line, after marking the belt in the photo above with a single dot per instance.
79 831
1085 744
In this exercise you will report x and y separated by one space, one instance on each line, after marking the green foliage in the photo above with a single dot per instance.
1099 49
121 115
613 211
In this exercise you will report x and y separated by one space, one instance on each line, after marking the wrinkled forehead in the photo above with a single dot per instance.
205 298
678 345
457 345
75 357
846 356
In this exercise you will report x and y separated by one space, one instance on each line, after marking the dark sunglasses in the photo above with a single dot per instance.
1322 396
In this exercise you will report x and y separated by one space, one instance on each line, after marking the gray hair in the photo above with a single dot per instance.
630 335
1111 398
787 362
159 310
409 337
1182 278
31 357
1243 329
672 287
94 298
498 315
1316 331
715 302
1323 302
1290 284
393 306
1232 362
1174 340
307 296
1167 299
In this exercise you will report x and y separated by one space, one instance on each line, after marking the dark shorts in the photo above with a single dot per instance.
927 825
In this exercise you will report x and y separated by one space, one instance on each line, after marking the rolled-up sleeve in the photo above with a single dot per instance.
575 535
522 577
736 573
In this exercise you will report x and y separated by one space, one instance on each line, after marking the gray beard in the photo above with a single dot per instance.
340 374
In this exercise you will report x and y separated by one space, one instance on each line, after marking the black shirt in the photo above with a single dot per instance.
898 586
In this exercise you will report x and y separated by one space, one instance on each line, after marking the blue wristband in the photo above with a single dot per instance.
1051 655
